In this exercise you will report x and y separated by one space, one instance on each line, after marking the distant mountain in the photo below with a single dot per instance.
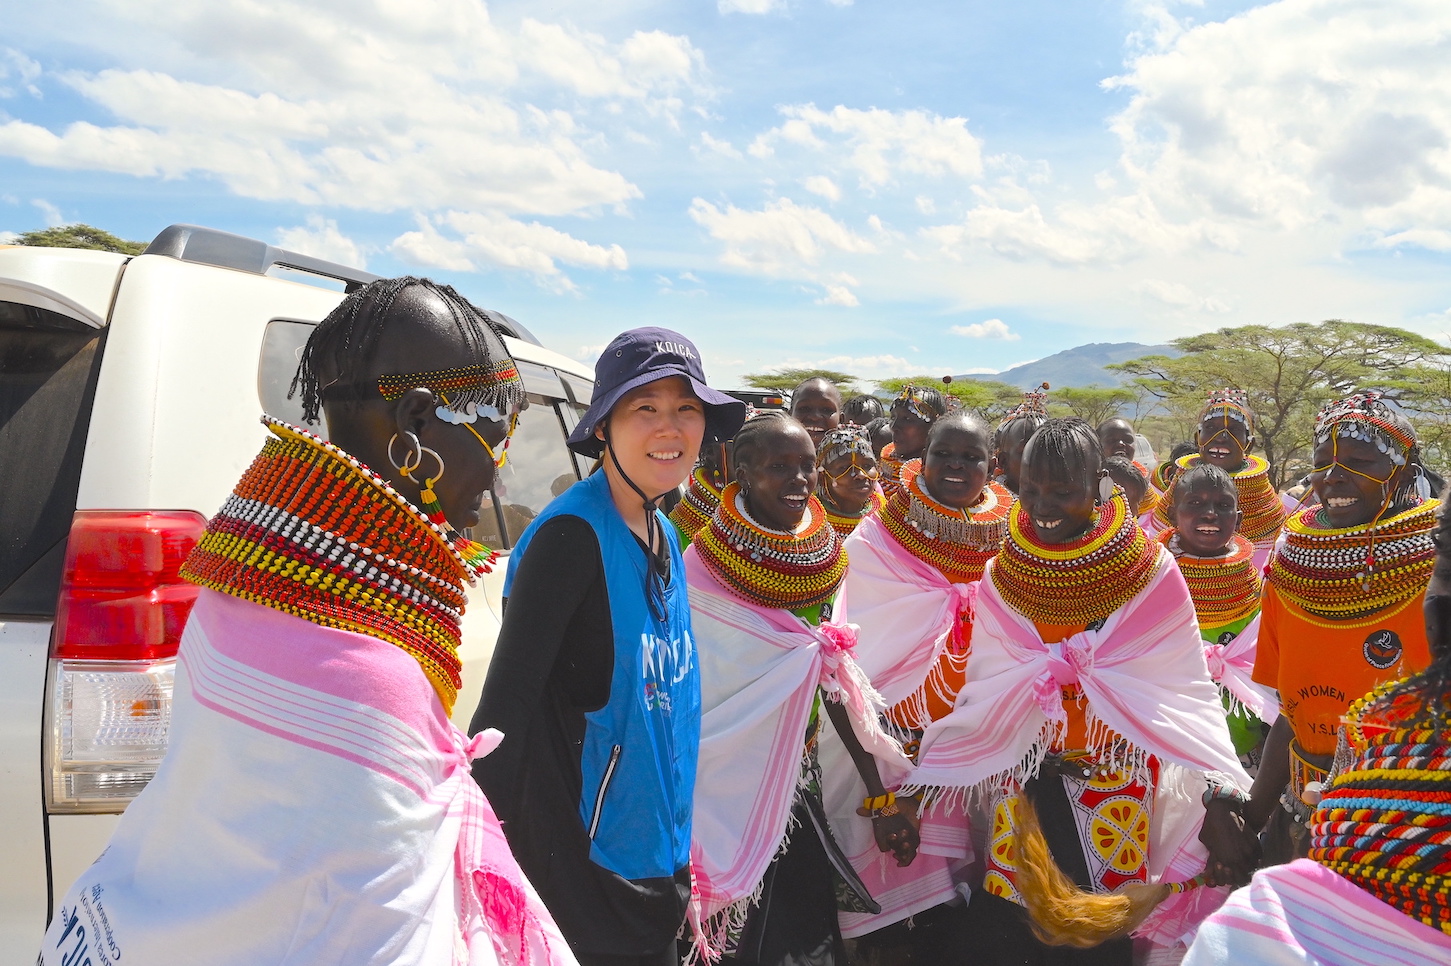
1079 366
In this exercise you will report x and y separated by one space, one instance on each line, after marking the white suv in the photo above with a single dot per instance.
130 390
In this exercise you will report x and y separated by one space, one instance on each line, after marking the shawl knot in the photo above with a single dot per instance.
1215 657
838 641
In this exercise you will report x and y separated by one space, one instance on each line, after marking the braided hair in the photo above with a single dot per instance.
342 345
755 432
964 419
1203 476
861 410
1064 450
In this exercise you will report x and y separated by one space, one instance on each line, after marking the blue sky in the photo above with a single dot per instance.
884 188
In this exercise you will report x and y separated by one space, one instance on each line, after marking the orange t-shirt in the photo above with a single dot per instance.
1076 735
1320 666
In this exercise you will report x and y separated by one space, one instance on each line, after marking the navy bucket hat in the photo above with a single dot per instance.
642 356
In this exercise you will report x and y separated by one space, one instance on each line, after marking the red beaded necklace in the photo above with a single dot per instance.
1225 589
1344 574
312 532
1076 583
771 568
959 543
698 505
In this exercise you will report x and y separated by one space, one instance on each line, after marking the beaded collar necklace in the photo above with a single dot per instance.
1076 583
1264 514
1385 823
959 543
312 532
1349 573
841 520
698 505
771 568
891 470
1225 589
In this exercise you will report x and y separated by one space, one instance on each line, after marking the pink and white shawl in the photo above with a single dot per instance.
1231 666
905 610
760 670
906 613
1302 914
1143 678
315 806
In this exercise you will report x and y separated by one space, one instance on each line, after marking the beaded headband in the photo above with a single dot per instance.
1365 418
844 441
489 390
911 396
1035 403
1233 402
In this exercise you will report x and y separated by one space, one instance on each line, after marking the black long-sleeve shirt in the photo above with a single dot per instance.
552 665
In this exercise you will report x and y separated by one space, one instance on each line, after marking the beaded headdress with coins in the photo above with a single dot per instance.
844 440
914 398
1232 403
1365 417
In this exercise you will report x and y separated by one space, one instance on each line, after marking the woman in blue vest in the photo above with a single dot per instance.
594 680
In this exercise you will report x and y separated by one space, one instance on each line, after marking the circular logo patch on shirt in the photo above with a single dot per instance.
1382 649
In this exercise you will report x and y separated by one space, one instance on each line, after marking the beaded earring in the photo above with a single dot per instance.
1105 487
428 498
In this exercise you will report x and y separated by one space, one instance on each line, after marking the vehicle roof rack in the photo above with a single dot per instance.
209 246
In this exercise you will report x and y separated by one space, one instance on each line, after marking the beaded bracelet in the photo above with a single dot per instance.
1227 793
879 806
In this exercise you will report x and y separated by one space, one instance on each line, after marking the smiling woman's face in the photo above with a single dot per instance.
1348 481
1206 518
780 478
1223 441
957 465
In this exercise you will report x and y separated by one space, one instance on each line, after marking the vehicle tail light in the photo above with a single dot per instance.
118 623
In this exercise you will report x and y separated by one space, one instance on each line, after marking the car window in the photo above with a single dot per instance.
281 351
48 368
539 467
580 392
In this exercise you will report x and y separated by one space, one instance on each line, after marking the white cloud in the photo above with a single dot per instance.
18 69
1435 240
321 238
925 205
879 145
1297 112
723 148
821 185
1178 295
9 237
589 353
748 6
495 239
52 215
779 239
987 329
839 295
392 107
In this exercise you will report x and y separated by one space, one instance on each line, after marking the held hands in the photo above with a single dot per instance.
894 826
1234 848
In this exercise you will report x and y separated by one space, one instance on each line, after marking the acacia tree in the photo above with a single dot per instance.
1288 372
785 380
80 236
1092 404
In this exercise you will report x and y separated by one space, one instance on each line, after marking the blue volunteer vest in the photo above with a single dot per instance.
640 749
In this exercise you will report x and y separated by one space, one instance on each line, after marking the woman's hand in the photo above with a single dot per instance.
1234 848
898 833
